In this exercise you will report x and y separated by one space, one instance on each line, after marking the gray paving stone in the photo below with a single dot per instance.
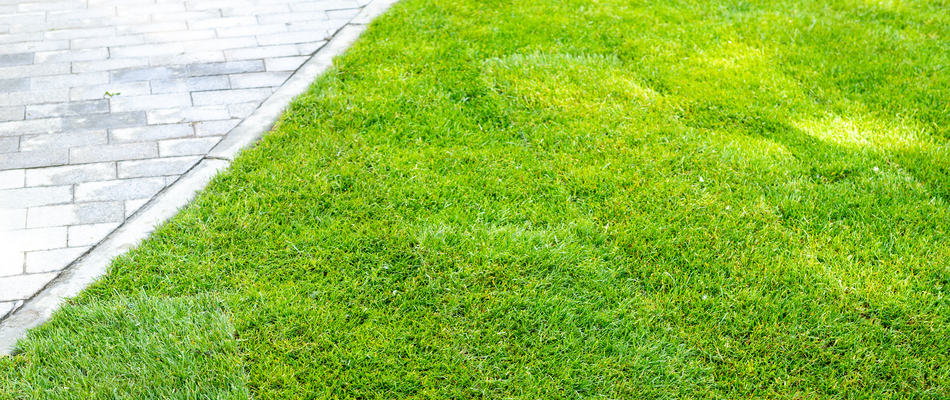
31 126
23 18
80 33
342 14
113 152
62 141
150 8
109 3
252 30
12 220
11 264
22 287
285 63
8 306
171 179
35 197
108 41
33 239
70 55
32 47
53 82
292 38
77 24
106 65
330 25
33 97
67 109
308 49
230 96
7 60
255 10
66 15
14 85
151 102
214 23
11 113
148 74
49 6
104 121
131 206
147 50
125 2
188 114
257 53
195 84
217 4
9 144
12 179
21 37
123 189
148 28
291 17
179 36
75 214
221 44
87 235
151 133
187 58
186 147
52 260
33 159
215 128
258 80
157 167
190 16
324 5
242 110
117 89
233 67
70 174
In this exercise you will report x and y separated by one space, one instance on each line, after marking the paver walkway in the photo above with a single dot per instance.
103 103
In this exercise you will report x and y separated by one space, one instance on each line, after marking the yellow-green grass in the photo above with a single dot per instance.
571 199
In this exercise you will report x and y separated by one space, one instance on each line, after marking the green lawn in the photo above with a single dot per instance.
559 199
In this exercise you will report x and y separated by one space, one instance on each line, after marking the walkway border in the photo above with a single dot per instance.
165 205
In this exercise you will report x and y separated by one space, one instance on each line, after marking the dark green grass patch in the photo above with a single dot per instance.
571 199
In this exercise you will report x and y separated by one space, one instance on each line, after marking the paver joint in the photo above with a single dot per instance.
104 103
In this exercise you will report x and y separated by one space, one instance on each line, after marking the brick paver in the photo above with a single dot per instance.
104 103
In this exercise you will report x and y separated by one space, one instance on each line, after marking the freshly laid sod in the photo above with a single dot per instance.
561 199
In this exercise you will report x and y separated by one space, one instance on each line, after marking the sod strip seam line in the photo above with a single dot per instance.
165 205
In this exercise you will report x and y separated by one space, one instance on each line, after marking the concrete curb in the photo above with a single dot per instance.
94 264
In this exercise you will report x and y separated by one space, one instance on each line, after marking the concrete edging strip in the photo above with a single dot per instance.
90 267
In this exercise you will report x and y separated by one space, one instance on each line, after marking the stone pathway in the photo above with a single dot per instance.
104 103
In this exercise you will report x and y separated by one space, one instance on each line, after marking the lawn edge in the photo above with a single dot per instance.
94 264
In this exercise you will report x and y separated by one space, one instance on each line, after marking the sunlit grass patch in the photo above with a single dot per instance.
868 134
